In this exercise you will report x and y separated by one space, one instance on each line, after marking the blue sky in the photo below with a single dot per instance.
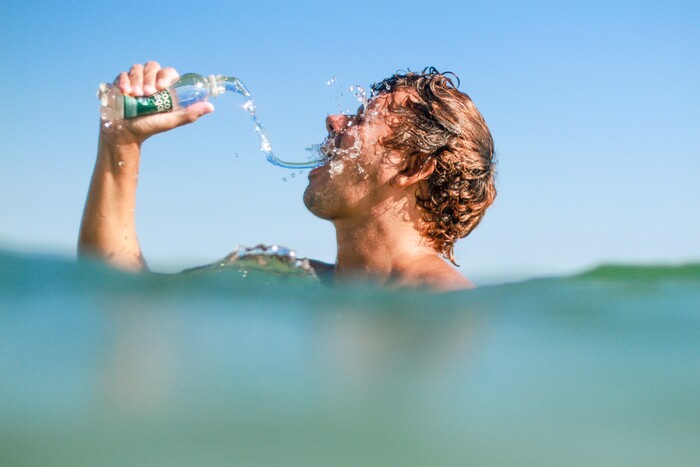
593 107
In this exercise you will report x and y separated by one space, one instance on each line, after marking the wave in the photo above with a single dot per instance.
99 366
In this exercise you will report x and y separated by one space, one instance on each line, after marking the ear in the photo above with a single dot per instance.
409 174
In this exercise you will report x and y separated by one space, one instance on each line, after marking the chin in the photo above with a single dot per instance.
311 201
319 204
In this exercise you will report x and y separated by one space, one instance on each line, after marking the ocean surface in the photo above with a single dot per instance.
252 367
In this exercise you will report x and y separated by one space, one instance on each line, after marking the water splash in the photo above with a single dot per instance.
338 95
338 157
235 85
271 259
359 93
337 167
315 149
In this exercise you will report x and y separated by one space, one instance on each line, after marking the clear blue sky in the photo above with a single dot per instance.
593 106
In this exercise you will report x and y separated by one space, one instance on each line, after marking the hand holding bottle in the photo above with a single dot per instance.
145 80
150 99
108 228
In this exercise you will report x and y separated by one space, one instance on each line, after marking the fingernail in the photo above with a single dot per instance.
138 91
148 89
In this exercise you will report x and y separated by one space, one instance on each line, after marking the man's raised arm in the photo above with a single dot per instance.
108 229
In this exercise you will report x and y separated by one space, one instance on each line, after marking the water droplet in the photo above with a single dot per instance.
244 273
236 155
284 179
359 93
331 81
293 175
121 163
250 107
336 168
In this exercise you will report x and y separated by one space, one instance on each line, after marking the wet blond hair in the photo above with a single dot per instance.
438 122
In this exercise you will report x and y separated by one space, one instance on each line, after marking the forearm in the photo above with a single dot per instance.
108 229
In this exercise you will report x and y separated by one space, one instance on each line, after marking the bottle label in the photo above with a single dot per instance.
155 103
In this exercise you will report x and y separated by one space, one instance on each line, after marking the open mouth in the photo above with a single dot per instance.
321 154
328 149
325 152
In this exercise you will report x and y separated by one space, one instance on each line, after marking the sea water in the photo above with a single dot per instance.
216 367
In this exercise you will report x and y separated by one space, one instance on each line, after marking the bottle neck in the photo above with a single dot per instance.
216 85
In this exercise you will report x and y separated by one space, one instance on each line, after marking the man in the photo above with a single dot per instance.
405 178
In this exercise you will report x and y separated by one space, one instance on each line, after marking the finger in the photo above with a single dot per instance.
150 70
165 77
197 110
122 81
136 77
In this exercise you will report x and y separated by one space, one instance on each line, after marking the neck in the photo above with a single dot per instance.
384 245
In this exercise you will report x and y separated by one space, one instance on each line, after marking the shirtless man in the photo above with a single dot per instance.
405 178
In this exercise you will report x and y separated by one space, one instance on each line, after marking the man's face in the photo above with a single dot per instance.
351 181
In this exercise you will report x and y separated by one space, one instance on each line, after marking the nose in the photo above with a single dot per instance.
335 124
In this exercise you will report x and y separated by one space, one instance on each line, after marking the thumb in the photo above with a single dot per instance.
192 113
149 125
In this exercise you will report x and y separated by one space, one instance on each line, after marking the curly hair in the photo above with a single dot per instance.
439 122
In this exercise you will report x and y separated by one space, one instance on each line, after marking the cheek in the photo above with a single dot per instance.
351 139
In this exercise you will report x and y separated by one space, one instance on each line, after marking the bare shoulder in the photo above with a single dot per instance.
450 280
439 276
433 274
429 272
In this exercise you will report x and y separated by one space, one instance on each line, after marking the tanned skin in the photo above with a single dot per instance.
378 224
